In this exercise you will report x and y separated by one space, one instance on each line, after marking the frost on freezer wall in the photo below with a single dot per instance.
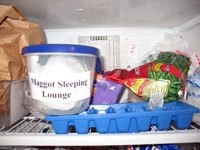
134 44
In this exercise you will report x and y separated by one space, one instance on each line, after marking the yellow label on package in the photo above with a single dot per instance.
148 87
157 66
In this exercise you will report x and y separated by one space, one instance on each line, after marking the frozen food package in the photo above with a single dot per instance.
106 91
172 87
151 78
179 61
193 92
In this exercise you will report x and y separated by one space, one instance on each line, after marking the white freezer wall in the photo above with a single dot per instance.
135 44
190 31
192 37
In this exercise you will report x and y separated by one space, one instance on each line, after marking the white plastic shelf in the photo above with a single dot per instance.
31 131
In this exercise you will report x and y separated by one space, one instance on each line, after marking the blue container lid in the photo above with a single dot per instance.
60 48
64 48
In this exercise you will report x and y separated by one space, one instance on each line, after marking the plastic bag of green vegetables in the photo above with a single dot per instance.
179 61
162 78
176 86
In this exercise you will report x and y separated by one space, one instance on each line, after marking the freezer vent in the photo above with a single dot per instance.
98 38
108 46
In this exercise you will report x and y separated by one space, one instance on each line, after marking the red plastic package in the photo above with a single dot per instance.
122 75
161 73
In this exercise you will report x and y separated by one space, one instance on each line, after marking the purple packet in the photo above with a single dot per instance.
106 91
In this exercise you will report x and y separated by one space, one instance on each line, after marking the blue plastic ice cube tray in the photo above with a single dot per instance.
125 118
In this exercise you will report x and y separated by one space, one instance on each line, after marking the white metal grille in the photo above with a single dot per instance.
108 46
31 131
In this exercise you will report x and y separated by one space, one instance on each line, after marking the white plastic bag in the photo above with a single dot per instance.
176 44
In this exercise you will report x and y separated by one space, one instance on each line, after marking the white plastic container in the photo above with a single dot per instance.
60 78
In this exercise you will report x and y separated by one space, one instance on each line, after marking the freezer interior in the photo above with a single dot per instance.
126 32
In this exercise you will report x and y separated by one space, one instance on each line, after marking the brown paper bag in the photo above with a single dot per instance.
4 97
15 33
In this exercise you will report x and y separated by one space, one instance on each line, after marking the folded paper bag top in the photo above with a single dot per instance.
10 11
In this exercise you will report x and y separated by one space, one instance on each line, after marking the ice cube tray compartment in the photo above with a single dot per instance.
125 118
